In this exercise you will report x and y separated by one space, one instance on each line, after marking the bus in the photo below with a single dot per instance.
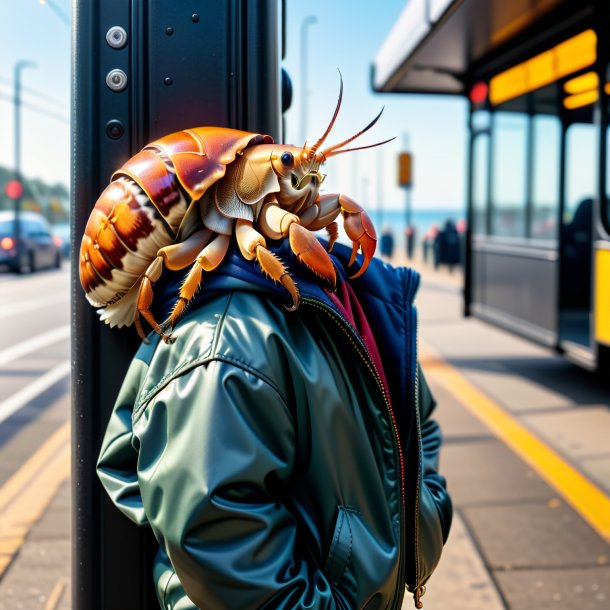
537 78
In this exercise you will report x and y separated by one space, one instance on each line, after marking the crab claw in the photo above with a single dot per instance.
310 252
359 228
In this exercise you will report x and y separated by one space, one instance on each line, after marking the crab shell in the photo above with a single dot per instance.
144 209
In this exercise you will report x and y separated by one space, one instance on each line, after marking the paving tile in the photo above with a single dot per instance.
535 535
515 393
599 471
42 563
456 422
488 472
580 432
556 589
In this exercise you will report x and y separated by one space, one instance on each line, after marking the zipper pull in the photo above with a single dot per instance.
417 595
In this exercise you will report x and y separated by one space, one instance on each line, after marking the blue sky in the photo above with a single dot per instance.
347 36
31 31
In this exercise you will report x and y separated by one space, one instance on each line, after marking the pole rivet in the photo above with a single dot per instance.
116 37
195 18
169 31
116 79
168 80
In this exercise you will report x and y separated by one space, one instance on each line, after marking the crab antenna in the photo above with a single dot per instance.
312 150
338 152
335 146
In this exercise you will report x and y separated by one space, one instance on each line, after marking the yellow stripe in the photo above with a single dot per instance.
56 594
585 497
29 469
27 494
602 296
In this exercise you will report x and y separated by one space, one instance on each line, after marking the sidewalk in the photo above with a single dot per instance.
517 541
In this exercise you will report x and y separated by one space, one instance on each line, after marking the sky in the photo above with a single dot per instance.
347 36
33 31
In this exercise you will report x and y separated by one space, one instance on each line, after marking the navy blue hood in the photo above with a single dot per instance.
385 293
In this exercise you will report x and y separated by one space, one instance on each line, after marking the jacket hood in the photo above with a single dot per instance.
238 274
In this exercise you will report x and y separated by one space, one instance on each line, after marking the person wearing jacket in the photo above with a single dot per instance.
284 460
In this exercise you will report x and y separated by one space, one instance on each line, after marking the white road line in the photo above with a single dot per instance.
21 398
34 344
19 307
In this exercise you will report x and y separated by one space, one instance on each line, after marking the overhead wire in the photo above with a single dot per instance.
53 115
36 92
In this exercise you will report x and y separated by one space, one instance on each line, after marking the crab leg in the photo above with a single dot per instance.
274 222
145 298
208 259
253 245
174 257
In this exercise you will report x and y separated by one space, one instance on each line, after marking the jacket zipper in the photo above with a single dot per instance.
419 589
359 346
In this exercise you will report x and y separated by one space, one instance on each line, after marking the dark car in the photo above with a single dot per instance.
35 248
61 236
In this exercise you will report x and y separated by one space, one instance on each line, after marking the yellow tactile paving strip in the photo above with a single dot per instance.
584 496
27 494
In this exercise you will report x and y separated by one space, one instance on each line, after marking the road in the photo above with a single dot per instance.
34 440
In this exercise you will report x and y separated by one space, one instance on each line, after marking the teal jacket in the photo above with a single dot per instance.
264 452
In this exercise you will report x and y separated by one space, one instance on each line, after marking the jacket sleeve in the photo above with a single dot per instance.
436 510
213 493
118 460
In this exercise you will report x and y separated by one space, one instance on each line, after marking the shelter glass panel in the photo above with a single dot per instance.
509 174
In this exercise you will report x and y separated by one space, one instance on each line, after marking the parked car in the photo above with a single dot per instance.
61 235
35 248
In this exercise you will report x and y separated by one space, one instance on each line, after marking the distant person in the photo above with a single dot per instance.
411 235
428 241
386 243
447 246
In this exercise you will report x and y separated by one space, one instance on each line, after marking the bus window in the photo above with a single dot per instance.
481 120
480 182
509 173
581 161
545 176
605 207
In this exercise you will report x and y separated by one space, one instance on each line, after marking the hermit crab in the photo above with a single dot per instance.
178 203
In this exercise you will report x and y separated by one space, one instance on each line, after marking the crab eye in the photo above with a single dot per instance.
287 159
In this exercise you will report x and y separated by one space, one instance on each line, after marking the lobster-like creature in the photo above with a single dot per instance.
178 202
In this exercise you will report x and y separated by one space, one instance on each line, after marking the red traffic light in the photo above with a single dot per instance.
13 189
478 94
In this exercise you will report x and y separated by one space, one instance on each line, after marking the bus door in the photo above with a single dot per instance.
580 163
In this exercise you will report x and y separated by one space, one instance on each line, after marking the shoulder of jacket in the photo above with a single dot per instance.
240 328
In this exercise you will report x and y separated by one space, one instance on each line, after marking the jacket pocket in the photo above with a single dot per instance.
360 566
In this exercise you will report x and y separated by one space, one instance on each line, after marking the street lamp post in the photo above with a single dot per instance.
305 92
19 66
